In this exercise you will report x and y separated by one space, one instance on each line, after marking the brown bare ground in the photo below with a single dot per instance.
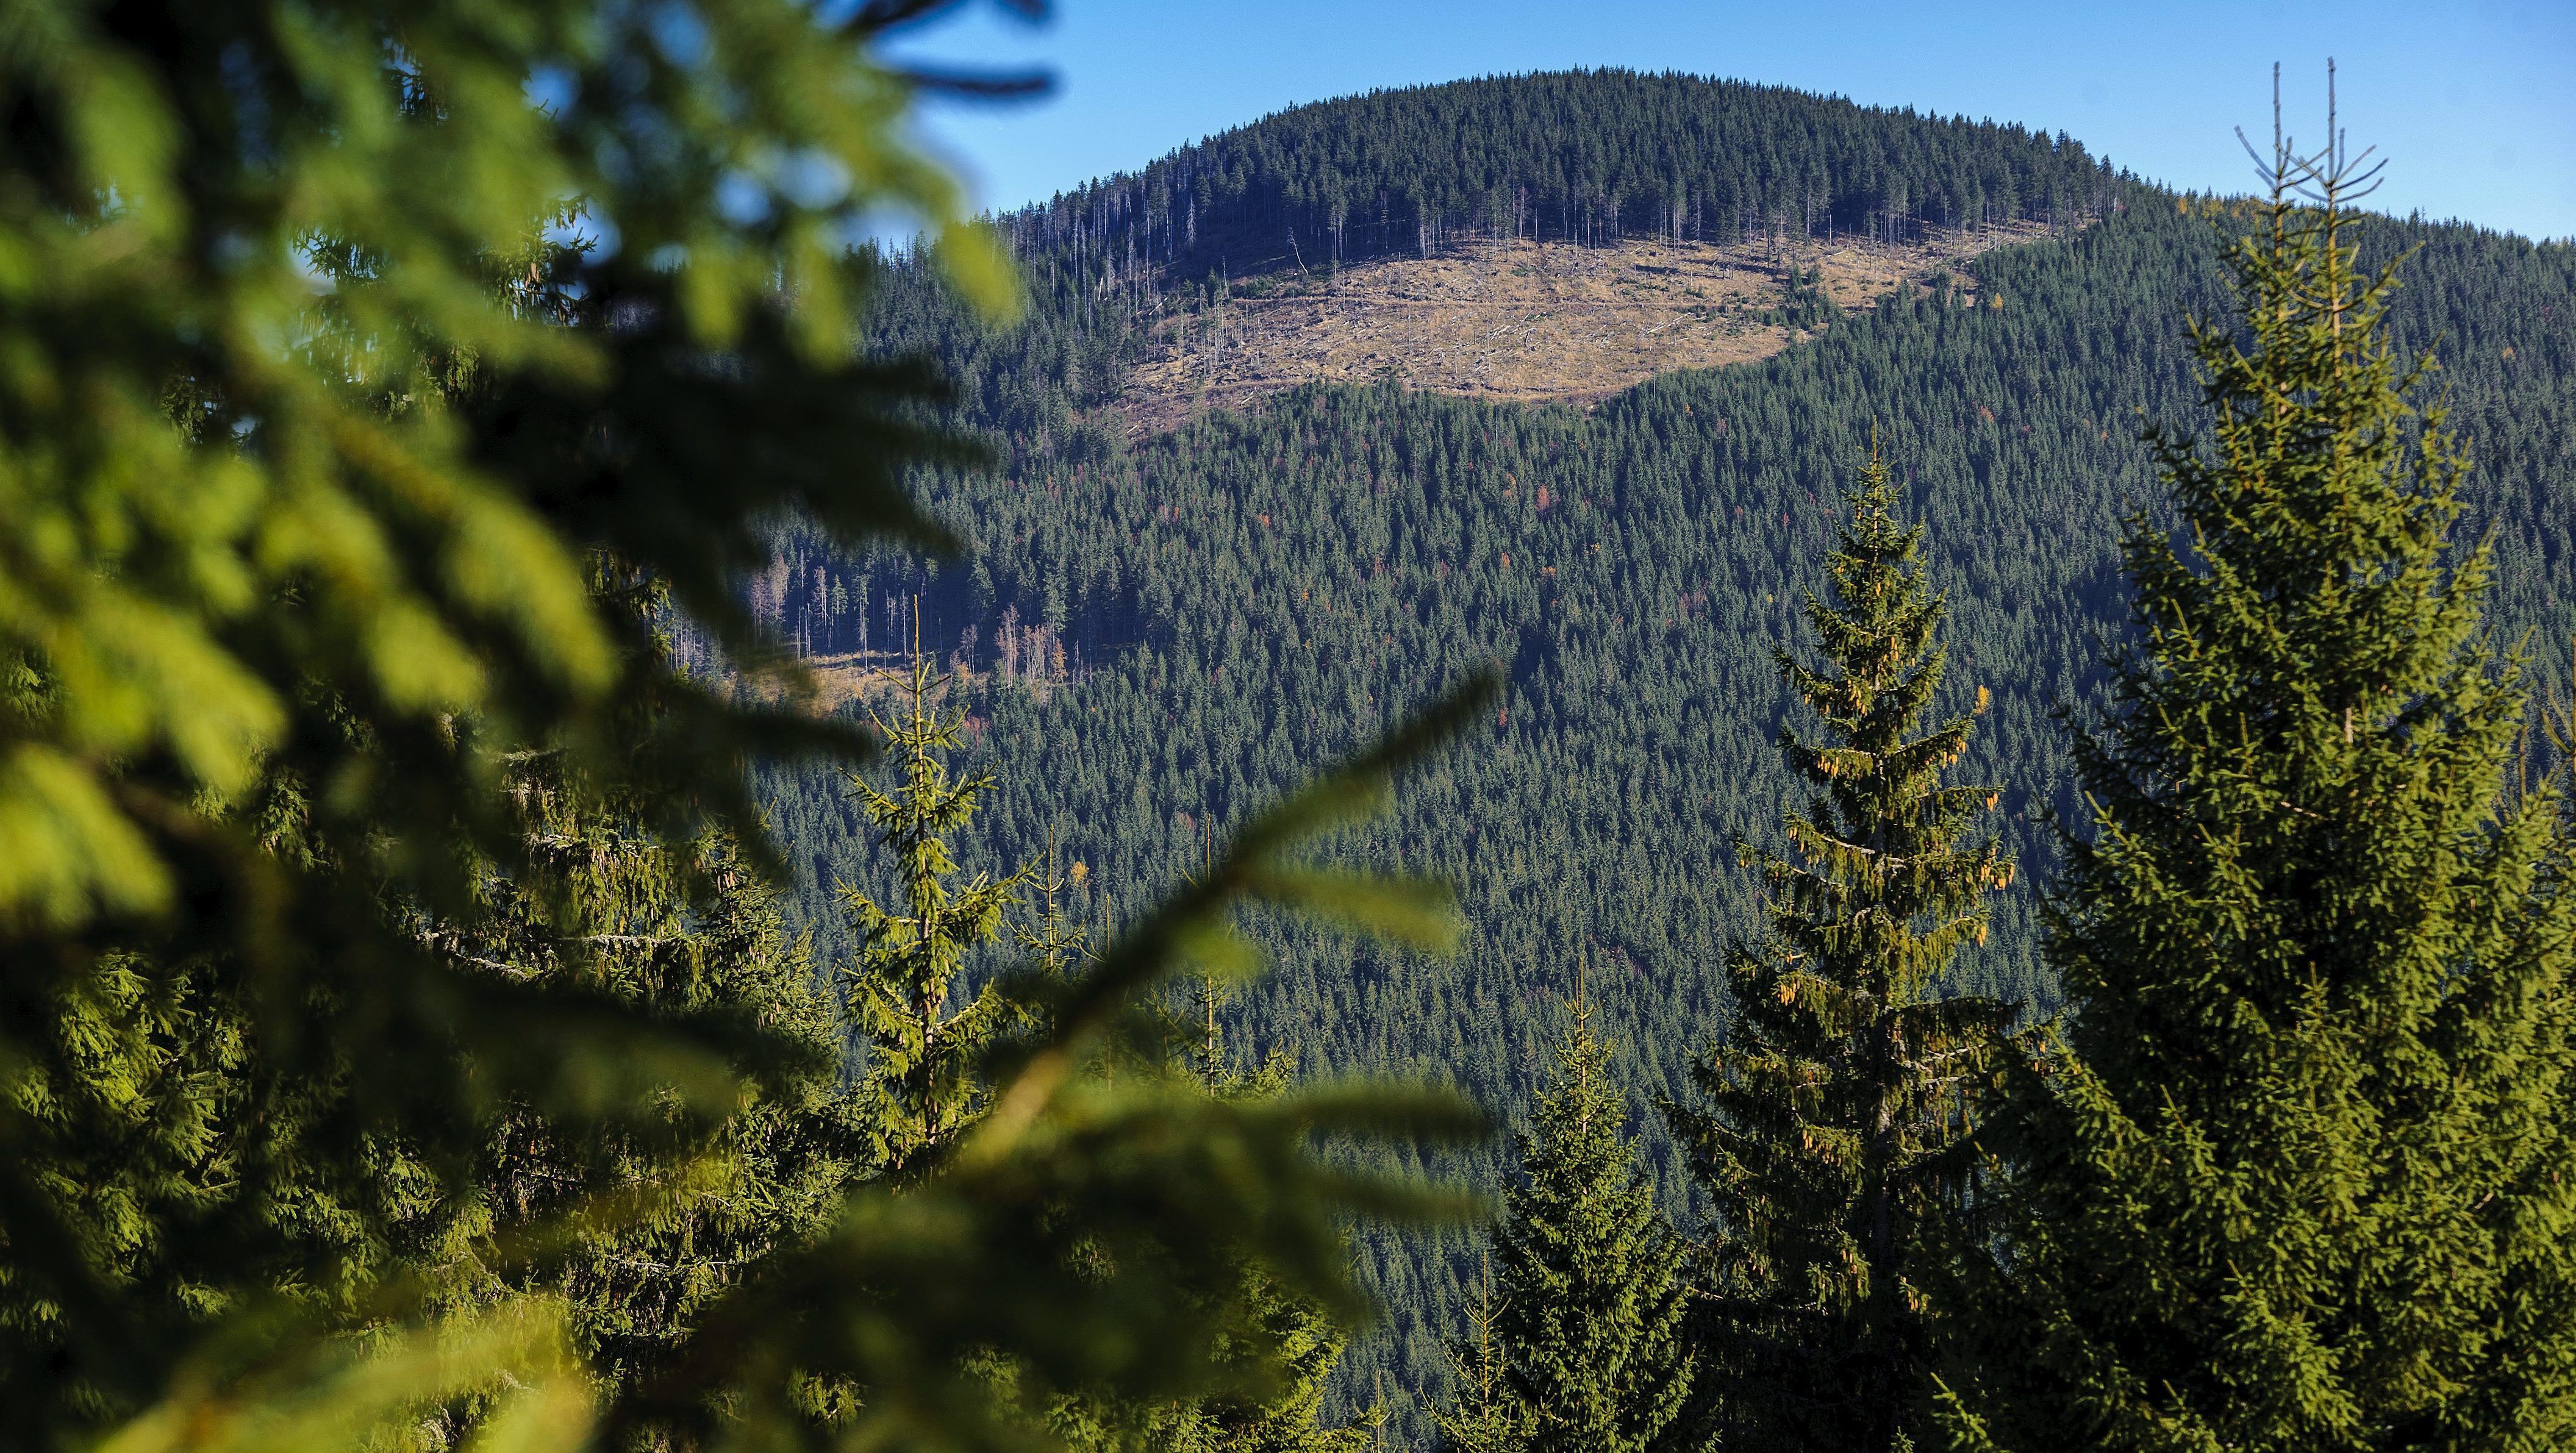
842 678
1522 321
877 678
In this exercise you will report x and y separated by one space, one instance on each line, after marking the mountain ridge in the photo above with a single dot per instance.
1244 595
1689 156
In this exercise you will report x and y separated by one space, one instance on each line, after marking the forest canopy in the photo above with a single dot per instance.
402 1042
629 822
1164 622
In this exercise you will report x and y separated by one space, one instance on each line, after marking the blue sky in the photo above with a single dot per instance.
2473 103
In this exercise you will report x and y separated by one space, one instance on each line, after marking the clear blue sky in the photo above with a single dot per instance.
2473 103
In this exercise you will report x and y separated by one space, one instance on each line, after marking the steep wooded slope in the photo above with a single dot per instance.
1167 629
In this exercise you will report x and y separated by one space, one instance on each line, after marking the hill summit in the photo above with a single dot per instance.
1588 156
1557 236
1162 628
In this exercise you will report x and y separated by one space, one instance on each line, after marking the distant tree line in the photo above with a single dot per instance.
1590 157
1250 591
2289 1172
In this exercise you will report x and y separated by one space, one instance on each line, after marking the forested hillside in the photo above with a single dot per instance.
1162 632
1579 156
400 1042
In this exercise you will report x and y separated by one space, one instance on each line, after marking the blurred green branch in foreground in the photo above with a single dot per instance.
388 985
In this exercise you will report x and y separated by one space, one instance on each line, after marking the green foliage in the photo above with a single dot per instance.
1830 1132
1290 1418
919 1073
2297 1179
1589 1296
1485 1413
1095 1233
397 1044
313 443
1277 1412
1127 1244
1257 590
921 1087
315 240
636 1228
344 1394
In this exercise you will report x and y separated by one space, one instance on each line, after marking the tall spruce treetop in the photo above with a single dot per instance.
2300 1180
920 1076
1591 1297
1832 1131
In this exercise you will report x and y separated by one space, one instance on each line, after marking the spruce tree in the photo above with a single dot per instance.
919 1081
1831 1131
1302 1342
1590 1291
1288 1345
331 469
2299 1178
1284 1413
1483 1414
687 930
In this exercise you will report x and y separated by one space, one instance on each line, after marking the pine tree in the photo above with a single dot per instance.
1591 1299
297 574
1280 1407
1831 1129
1484 1413
2299 1179
919 1081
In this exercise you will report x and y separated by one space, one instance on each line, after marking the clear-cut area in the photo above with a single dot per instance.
1526 321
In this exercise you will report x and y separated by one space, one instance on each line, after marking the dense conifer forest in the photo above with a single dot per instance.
1581 156
1165 630
626 824
401 1045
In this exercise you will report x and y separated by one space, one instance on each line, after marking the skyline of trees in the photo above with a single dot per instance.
1251 590
428 1019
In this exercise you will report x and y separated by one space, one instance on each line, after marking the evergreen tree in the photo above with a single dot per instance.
686 929
294 579
1484 1413
1052 944
1591 1297
1831 1132
1286 1414
1293 1343
2299 1179
919 1078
